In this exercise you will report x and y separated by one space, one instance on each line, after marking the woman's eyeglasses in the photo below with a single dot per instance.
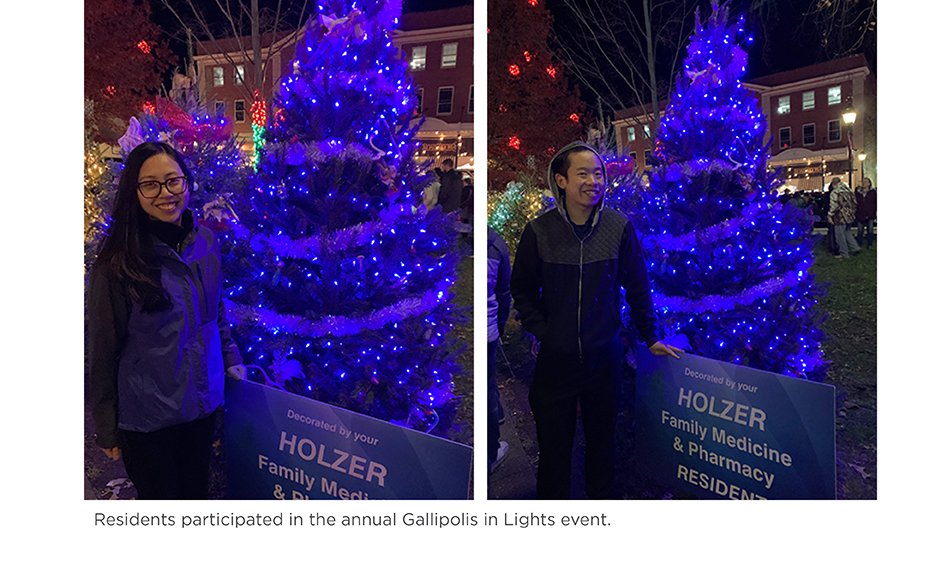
152 188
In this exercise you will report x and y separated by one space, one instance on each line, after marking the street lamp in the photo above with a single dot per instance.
861 158
848 116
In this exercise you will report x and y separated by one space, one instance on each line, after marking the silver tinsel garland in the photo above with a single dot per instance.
337 326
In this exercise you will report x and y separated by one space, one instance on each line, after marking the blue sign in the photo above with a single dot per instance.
284 446
716 430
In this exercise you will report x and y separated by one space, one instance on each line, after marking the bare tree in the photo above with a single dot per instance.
625 52
844 26
241 22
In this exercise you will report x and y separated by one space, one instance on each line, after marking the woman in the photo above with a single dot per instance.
158 340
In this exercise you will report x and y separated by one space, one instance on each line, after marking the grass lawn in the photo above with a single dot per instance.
851 346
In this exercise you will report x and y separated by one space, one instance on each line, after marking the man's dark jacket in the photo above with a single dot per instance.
567 290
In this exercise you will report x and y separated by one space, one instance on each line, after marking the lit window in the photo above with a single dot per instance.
470 101
218 75
835 95
835 130
449 55
445 101
631 133
808 100
418 57
783 107
784 140
419 105
808 135
239 111
238 75
647 130
220 109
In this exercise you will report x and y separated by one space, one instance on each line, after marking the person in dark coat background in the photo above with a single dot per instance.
498 310
866 211
451 193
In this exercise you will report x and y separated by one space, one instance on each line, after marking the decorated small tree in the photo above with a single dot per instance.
212 152
98 187
510 210
339 285
728 263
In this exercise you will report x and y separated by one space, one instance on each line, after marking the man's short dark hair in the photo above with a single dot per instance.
561 163
448 162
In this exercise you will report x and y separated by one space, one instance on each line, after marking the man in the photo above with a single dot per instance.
452 187
841 216
569 267
498 310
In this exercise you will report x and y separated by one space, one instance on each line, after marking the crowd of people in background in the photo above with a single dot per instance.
848 214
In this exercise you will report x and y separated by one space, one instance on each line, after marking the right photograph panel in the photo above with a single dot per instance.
681 250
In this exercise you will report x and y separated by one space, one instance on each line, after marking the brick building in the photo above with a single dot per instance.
634 133
223 71
803 109
438 45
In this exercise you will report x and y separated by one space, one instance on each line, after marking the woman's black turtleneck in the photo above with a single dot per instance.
170 233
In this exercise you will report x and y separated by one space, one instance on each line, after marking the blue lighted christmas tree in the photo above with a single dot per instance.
338 283
729 264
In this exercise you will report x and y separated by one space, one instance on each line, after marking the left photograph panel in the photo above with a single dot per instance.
279 249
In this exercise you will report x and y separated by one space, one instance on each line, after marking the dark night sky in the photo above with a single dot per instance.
783 37
167 21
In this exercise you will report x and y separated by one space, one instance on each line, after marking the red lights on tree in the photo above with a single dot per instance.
258 111
129 63
523 91
149 108
574 117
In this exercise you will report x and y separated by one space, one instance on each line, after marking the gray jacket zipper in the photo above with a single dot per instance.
579 307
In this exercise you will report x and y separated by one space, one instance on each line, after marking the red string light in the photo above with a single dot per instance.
527 55
144 47
149 108
514 70
533 2
258 111
514 142
551 71
574 117
110 90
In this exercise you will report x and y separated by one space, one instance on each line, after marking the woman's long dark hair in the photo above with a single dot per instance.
128 250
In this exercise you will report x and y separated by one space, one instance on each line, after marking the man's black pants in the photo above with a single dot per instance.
561 387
